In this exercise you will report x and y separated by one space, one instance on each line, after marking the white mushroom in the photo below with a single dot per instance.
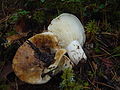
71 35
39 56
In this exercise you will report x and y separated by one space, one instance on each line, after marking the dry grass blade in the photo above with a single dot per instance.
105 85
4 19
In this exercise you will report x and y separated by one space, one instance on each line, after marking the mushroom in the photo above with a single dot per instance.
71 35
37 60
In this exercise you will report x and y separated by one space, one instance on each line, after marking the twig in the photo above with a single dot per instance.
91 83
3 9
2 67
105 51
91 66
101 42
98 55
16 84
86 87
4 19
105 85
107 33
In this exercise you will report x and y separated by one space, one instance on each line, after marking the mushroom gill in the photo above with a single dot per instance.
71 35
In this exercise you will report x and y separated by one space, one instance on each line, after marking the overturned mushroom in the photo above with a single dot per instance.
39 58
71 35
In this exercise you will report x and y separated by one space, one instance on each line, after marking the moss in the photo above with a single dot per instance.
92 27
70 83
39 16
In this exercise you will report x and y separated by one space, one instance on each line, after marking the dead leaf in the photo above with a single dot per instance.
13 38
94 65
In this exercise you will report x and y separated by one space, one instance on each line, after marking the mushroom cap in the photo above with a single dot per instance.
64 63
67 27
28 67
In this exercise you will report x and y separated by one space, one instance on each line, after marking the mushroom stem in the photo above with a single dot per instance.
75 52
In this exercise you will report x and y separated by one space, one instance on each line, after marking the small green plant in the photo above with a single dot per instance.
91 74
68 79
97 48
97 7
42 1
3 85
69 82
19 13
92 27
